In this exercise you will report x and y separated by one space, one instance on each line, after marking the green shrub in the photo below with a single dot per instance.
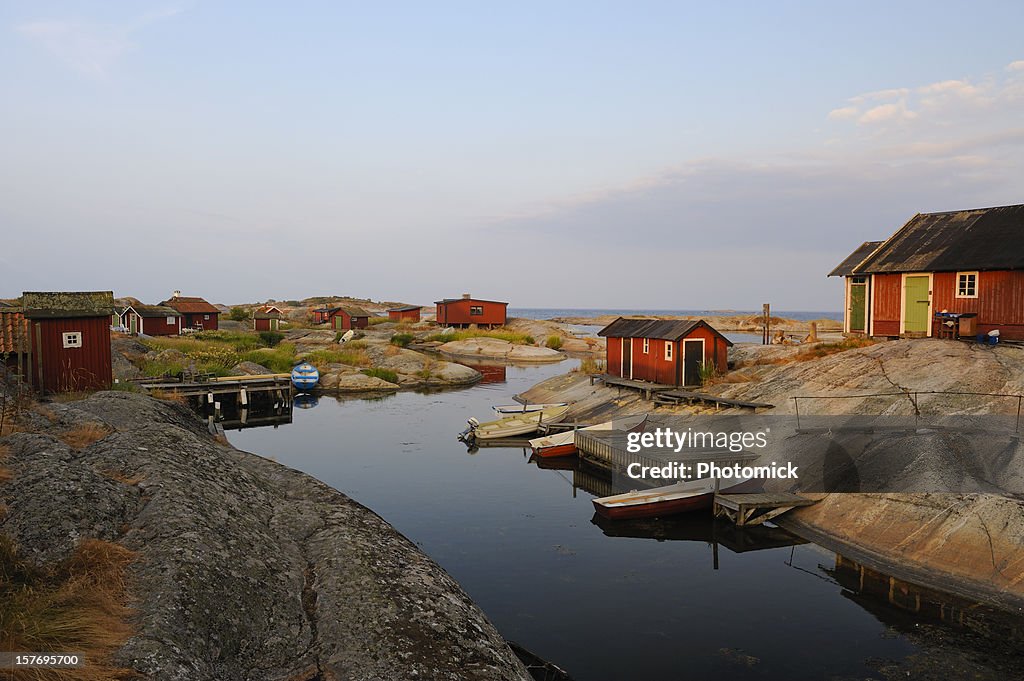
554 342
383 374
346 354
238 314
707 372
271 338
378 320
402 340
279 359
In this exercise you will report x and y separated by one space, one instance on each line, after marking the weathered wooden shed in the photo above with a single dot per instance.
468 310
267 318
406 313
69 338
195 312
663 351
962 262
152 320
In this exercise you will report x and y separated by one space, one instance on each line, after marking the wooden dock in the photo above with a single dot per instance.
240 388
645 387
608 449
679 396
754 509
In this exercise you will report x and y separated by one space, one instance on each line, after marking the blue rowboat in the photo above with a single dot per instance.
305 376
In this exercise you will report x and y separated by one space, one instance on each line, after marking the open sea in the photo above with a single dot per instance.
549 312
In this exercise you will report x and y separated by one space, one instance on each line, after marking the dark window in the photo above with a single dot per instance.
476 310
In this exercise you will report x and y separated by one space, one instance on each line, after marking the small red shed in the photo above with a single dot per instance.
266 318
663 351
196 313
69 335
342 318
151 320
406 313
468 310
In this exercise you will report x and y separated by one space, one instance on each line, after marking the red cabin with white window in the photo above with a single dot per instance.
69 340
968 262
468 310
669 352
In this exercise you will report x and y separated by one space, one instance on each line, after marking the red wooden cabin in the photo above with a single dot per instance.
196 313
69 337
669 352
406 313
152 320
342 318
969 261
266 318
468 310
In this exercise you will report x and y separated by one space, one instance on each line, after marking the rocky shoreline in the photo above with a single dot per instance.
247 569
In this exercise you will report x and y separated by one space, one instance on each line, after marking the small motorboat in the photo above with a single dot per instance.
511 426
564 444
347 336
505 409
681 497
305 376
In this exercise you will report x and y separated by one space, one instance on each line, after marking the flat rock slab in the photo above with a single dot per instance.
495 348
248 569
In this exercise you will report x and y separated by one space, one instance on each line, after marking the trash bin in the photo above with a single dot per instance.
968 325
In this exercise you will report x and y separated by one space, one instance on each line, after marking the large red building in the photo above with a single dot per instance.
669 352
468 310
69 340
196 313
968 262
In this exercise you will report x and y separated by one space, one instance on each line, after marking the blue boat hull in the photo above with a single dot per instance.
305 376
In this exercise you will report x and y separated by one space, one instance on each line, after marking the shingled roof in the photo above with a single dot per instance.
978 239
666 329
190 305
154 311
846 267
405 308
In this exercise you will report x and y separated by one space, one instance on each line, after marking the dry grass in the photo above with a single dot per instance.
5 473
83 436
590 365
168 396
80 605
72 396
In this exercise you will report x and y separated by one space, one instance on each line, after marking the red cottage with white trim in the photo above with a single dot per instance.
669 352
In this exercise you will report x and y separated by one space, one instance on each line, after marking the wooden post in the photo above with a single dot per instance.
812 337
39 358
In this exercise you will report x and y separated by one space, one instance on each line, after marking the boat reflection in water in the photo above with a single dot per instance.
492 372
306 400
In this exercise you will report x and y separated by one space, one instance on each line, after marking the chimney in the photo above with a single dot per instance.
466 296
177 294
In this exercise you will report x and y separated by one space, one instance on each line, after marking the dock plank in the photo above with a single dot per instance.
756 508
678 396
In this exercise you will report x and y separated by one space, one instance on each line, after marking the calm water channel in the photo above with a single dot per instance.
670 599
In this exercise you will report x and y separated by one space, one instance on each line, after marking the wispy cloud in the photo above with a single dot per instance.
88 47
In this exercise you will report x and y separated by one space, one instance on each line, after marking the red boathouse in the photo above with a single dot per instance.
468 310
151 320
968 262
406 313
69 336
669 352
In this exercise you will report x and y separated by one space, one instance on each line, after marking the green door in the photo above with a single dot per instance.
858 307
915 311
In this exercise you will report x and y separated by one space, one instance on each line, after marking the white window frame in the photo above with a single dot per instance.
170 321
206 316
957 284
668 351
647 346
72 339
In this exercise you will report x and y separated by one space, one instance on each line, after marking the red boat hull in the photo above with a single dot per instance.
698 502
557 450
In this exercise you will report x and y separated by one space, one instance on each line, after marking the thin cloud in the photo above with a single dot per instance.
886 113
90 48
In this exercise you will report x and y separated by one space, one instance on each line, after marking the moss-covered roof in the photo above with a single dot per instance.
62 304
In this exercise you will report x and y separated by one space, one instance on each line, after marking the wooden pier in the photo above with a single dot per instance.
679 396
645 387
754 509
242 389
607 449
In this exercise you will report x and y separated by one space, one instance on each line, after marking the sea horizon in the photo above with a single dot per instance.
550 312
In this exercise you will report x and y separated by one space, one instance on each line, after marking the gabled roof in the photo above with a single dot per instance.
444 301
266 312
326 309
405 308
152 311
190 305
66 304
662 329
846 267
977 239
353 311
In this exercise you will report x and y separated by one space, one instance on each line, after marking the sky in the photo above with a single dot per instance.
664 155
